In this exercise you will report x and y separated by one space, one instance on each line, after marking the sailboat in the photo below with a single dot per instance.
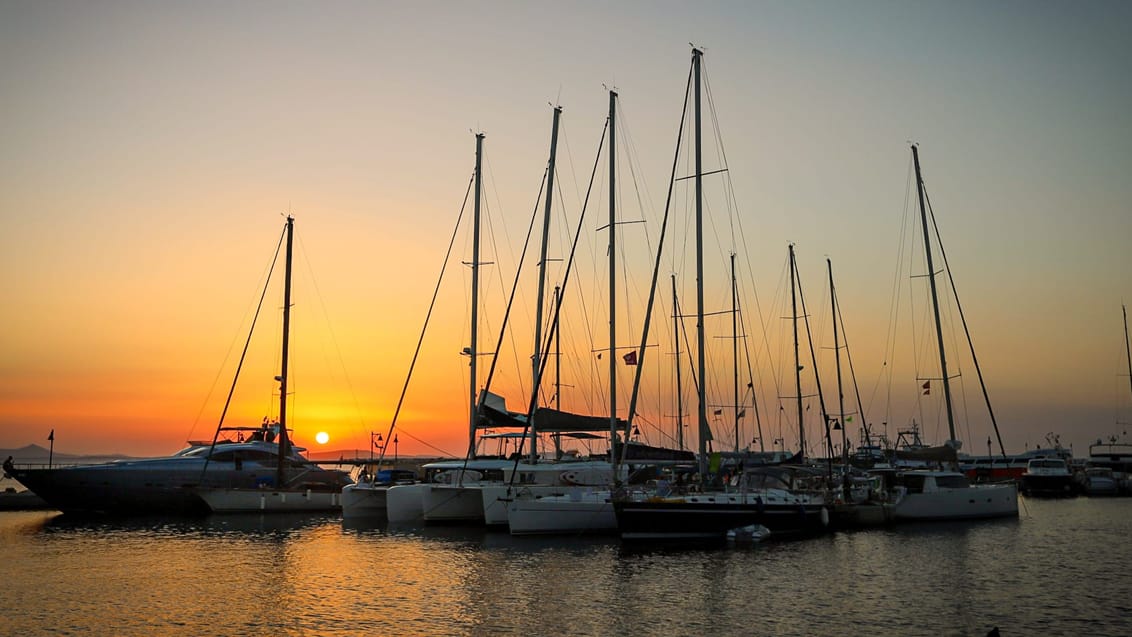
237 457
1111 458
293 489
710 515
946 494
580 508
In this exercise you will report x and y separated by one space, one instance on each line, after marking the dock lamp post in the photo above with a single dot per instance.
376 443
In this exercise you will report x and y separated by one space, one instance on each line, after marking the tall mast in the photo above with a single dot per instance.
284 443
679 383
701 365
1127 349
536 360
935 294
735 348
473 352
837 357
797 360
557 376
542 255
613 277
840 393
557 358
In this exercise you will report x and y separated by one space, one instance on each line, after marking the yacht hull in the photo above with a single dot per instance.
971 503
1048 485
111 491
579 511
711 516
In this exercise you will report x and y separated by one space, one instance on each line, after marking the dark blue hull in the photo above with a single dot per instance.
708 517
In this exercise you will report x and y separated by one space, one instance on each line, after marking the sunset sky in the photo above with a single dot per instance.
149 153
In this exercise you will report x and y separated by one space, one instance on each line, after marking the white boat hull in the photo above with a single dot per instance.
973 502
269 500
581 510
450 503
404 503
496 498
365 501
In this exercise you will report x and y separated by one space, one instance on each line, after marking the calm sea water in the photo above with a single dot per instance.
1063 568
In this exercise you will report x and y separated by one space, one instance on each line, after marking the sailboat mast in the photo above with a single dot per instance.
613 277
837 358
472 348
735 348
1127 349
284 443
701 364
797 360
679 382
557 358
536 359
935 294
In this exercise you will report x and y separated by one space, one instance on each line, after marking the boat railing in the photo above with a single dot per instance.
62 465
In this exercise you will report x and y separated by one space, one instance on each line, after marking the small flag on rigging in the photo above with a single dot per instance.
630 358
927 387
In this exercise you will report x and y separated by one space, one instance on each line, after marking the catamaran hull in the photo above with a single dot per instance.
451 504
404 503
365 501
495 499
710 517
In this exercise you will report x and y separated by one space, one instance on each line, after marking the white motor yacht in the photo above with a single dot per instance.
949 495
172 484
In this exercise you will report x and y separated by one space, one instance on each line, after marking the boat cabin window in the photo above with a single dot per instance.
247 455
952 482
914 483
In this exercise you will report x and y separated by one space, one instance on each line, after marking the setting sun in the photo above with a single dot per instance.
322 437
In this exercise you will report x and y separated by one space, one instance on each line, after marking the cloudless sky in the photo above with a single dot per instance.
148 153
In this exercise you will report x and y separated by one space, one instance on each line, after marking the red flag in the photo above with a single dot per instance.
630 358
717 412
927 387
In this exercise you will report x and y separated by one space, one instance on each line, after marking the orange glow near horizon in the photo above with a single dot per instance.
140 221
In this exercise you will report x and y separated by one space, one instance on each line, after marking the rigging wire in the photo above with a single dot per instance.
966 330
558 305
244 353
428 317
330 329
265 277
